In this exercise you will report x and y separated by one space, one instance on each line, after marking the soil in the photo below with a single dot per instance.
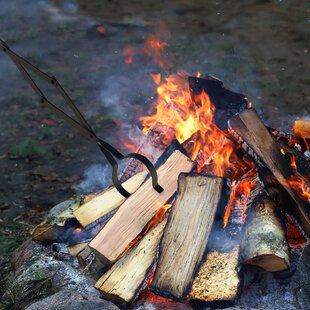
259 48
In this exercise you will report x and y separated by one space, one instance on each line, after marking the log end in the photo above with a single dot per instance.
269 262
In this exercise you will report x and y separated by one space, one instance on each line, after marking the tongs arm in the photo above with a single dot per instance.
109 151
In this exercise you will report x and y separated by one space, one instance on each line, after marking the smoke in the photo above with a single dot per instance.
96 178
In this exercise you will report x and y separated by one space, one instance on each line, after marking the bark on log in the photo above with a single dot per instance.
139 209
259 143
217 279
129 275
53 228
186 235
106 202
264 241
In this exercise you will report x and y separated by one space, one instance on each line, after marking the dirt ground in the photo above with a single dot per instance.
259 48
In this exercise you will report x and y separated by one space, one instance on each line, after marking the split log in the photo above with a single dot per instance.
90 263
53 227
128 276
74 250
301 129
187 232
264 241
106 202
139 209
249 128
217 279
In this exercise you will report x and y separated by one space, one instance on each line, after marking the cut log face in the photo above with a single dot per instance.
217 278
107 201
264 242
186 235
250 128
123 282
139 209
74 250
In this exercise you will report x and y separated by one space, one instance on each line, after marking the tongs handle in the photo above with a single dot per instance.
108 150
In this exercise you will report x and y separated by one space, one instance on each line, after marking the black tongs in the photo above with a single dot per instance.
109 151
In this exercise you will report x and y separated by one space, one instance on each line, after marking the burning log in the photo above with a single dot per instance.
53 227
260 145
106 202
264 241
187 232
227 103
217 279
128 276
139 209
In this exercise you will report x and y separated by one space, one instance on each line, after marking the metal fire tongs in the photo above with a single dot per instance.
109 151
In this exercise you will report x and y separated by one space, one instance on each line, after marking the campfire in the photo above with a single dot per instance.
236 194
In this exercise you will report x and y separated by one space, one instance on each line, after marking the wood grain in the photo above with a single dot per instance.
139 209
186 235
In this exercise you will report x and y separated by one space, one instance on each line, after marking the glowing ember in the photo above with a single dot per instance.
101 29
77 230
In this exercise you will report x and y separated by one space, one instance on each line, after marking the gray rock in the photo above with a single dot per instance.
72 300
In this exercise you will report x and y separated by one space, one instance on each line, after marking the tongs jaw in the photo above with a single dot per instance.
81 124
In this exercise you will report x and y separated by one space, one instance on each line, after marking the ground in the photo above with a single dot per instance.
259 48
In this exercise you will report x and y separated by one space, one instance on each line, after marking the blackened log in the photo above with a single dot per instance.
252 133
226 102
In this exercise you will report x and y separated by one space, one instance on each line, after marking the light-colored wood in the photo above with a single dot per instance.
186 235
251 129
106 201
301 128
264 242
74 250
139 209
128 275
217 278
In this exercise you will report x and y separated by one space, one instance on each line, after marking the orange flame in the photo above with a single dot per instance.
153 48
240 192
156 78
175 109
299 183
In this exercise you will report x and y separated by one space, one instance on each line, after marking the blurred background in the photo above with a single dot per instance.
256 47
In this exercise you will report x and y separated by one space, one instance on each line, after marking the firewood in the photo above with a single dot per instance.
217 279
186 235
226 102
107 201
128 276
301 129
139 209
53 227
259 143
264 241
75 249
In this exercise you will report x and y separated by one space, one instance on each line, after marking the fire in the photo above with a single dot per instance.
153 48
156 78
190 119
240 192
293 162
299 183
